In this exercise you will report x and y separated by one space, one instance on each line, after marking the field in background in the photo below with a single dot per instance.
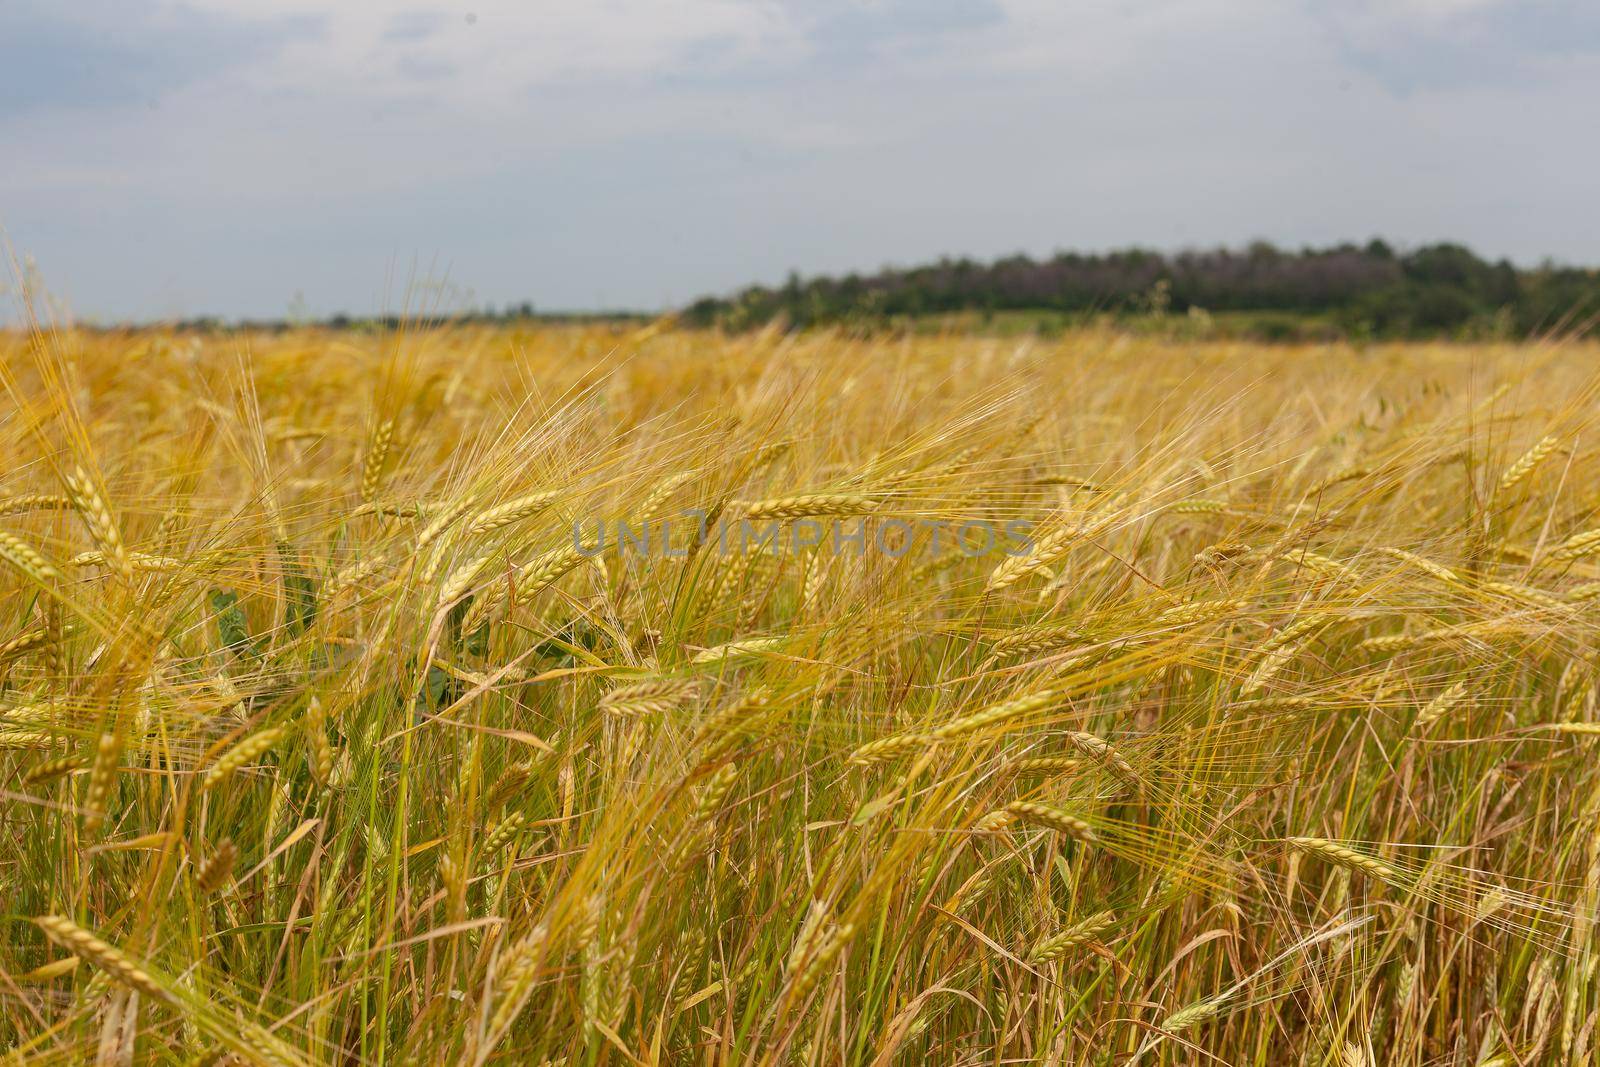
1272 741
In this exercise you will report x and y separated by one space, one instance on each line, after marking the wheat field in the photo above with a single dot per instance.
1174 703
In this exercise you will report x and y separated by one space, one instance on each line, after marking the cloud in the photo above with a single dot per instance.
1431 9
100 53
409 26
498 50
1431 45
845 33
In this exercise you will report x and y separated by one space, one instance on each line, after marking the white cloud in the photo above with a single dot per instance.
1416 46
1433 9
494 50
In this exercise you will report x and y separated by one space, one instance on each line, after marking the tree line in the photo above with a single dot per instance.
1353 290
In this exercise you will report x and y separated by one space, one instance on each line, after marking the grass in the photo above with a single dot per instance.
1271 740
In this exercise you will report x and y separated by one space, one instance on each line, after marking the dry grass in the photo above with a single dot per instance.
322 742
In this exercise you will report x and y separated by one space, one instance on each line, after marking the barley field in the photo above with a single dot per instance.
403 698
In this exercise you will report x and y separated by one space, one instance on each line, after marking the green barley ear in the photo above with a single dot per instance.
1189 1017
651 697
51 769
242 755
233 631
1081 933
512 511
503 834
300 592
102 776
320 754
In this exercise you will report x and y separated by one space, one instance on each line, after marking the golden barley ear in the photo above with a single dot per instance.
1346 857
1053 818
110 961
375 458
28 560
242 755
97 518
217 869
1526 464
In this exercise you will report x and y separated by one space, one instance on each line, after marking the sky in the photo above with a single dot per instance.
252 158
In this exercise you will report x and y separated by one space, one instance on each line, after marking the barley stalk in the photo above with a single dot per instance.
318 747
516 973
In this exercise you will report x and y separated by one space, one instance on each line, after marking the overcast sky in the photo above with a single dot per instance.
222 156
